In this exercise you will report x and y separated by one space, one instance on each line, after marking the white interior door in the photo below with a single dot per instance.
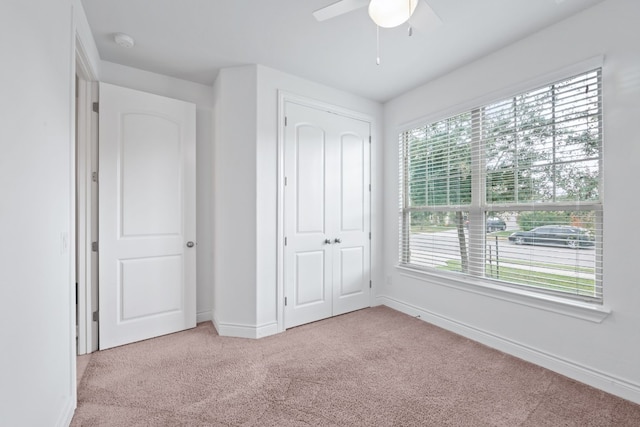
326 214
146 216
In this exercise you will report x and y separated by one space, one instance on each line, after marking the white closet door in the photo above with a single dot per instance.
351 257
327 199
146 216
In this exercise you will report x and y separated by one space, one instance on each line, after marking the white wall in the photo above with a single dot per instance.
200 95
602 354
37 363
234 201
246 192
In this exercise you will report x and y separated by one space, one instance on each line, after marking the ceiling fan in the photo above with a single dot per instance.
385 13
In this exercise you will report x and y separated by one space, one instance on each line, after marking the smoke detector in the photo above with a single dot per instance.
124 40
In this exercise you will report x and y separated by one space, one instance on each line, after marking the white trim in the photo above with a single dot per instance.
245 331
204 316
580 310
70 399
576 306
86 143
83 64
509 91
267 329
283 98
598 379
66 416
85 42
83 220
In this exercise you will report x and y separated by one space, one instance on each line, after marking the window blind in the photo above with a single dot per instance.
510 191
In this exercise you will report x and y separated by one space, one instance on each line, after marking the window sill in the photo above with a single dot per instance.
581 310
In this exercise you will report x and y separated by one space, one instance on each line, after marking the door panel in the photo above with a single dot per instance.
351 264
351 278
146 216
310 282
352 183
308 258
310 151
150 176
326 214
140 278
308 276
350 271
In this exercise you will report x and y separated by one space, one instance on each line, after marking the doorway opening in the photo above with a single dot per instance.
86 203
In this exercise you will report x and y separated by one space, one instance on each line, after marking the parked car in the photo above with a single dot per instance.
496 224
554 235
493 224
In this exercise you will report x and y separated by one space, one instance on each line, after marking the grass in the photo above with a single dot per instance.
501 233
586 270
430 228
558 282
438 228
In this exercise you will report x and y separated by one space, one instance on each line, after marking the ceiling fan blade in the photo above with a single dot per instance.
425 18
338 8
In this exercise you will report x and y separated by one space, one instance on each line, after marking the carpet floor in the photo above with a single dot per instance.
374 367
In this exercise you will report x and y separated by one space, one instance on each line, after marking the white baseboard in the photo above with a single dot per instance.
244 331
576 371
204 316
66 415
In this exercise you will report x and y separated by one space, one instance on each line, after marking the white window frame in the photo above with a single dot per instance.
590 309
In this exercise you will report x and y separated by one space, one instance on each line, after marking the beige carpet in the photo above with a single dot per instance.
374 367
81 365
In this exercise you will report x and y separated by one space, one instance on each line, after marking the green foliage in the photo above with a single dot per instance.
533 219
530 220
439 163
433 220
538 147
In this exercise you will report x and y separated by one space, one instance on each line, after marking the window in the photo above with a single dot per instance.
510 192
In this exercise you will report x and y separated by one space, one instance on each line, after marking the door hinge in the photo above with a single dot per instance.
369 235
95 316
285 181
285 301
370 284
94 176
369 139
369 188
94 246
286 121
96 107
285 241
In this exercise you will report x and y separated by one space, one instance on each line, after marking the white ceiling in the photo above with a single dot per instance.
193 39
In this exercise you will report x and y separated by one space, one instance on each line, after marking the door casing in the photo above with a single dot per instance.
86 204
283 98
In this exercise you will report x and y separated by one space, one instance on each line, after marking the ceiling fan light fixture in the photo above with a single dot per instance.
391 13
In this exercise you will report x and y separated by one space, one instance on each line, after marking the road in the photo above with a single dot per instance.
434 249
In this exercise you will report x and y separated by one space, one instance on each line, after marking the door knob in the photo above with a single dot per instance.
327 241
337 240
190 244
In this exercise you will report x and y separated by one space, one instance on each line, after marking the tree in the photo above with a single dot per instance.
516 133
439 173
539 146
